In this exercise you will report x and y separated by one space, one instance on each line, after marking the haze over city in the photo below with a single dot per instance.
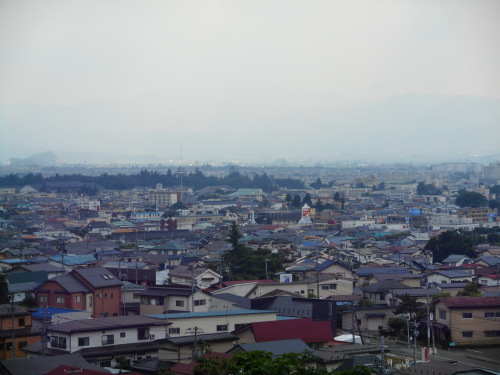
93 81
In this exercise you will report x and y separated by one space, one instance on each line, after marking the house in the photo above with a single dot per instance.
377 292
488 260
184 349
367 318
168 299
316 334
468 320
92 289
363 275
194 273
19 318
457 260
213 321
102 340
444 277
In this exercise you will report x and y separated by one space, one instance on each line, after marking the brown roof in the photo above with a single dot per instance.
452 302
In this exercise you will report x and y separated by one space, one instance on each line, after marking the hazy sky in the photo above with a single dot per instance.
181 67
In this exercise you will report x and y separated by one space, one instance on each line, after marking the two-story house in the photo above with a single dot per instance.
92 289
103 340
468 320
12 341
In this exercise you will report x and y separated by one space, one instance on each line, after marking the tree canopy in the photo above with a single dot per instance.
470 199
450 242
264 363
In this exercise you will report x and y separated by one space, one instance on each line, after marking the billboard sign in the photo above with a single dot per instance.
415 211
286 278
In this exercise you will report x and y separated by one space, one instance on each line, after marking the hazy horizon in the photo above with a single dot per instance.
250 80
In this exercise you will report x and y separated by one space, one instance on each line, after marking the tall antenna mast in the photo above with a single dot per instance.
180 171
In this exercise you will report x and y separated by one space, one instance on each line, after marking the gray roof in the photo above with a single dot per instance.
416 292
279 347
454 258
209 337
452 274
242 302
384 286
69 283
42 365
98 277
112 322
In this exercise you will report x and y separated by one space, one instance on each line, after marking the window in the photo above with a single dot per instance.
174 331
122 334
222 327
442 314
60 299
179 303
105 363
333 286
42 298
9 346
58 342
78 299
104 315
21 322
324 287
491 333
467 334
200 302
467 315
83 341
142 333
108 339
238 326
492 314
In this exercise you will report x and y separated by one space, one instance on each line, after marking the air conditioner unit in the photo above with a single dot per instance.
151 337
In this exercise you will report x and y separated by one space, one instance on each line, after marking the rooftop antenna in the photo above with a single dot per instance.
181 172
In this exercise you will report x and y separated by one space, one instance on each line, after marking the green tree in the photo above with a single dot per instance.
470 290
470 199
307 200
296 201
264 363
317 184
408 305
450 242
288 198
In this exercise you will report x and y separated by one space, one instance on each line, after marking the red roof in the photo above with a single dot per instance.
470 301
303 329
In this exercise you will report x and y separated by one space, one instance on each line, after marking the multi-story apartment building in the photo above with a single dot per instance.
161 197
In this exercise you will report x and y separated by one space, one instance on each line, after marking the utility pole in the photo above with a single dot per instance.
13 327
428 321
266 261
317 286
353 316
415 335
408 317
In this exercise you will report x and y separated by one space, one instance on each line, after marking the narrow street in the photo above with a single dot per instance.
488 358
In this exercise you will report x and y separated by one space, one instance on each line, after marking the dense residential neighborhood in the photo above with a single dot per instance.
214 263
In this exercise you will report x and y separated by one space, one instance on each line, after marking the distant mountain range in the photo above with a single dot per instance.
151 128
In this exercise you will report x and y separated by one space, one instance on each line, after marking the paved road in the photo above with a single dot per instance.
488 358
